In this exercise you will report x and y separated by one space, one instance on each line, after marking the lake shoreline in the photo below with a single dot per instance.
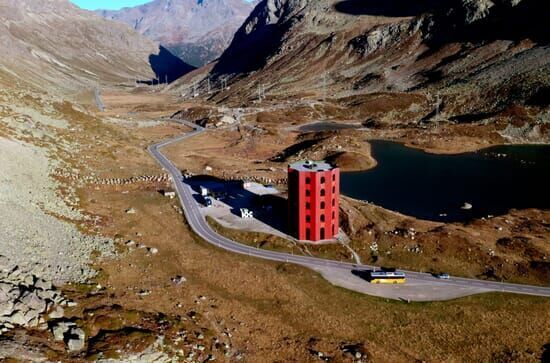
452 187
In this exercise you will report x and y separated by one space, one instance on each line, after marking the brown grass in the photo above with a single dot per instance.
271 303
275 243
279 312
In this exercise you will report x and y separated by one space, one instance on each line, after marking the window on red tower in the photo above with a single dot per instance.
333 177
333 202
333 189
322 205
322 217
333 215
308 233
308 206
322 179
308 180
308 219
322 192
308 193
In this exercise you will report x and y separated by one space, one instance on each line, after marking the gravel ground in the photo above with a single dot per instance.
40 245
30 234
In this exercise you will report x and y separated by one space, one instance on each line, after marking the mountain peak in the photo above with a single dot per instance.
196 30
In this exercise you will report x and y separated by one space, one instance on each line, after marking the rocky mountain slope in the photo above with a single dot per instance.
50 53
198 31
52 42
481 56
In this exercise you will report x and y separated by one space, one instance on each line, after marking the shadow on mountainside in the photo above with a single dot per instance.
503 21
250 52
167 67
527 20
389 8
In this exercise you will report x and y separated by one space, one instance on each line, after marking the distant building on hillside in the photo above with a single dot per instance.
313 200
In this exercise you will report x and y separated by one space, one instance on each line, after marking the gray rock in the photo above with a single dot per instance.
79 333
59 332
178 280
77 340
29 280
75 345
14 293
33 322
4 296
4 264
32 317
467 206
6 308
56 313
43 284
18 318
46 294
62 328
33 302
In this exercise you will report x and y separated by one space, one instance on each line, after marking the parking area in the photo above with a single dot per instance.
246 206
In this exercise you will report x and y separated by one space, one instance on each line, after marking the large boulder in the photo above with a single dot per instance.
33 302
6 308
77 340
18 317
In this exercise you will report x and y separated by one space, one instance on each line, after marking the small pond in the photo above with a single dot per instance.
327 126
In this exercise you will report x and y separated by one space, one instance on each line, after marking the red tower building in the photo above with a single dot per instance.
313 200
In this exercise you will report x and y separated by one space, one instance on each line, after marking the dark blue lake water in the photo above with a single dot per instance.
436 187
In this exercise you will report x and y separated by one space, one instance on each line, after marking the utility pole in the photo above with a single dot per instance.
209 86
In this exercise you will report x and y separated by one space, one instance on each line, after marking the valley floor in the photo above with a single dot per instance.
164 281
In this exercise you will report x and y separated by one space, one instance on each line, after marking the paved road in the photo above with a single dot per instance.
203 229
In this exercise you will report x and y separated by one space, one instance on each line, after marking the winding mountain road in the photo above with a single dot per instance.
200 226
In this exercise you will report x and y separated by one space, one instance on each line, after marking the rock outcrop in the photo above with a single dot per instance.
25 299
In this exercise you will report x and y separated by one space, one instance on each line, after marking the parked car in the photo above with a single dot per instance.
443 276
207 202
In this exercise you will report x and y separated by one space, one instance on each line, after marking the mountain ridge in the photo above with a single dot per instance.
196 31
479 54
54 44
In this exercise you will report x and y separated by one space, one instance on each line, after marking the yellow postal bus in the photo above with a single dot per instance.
387 277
